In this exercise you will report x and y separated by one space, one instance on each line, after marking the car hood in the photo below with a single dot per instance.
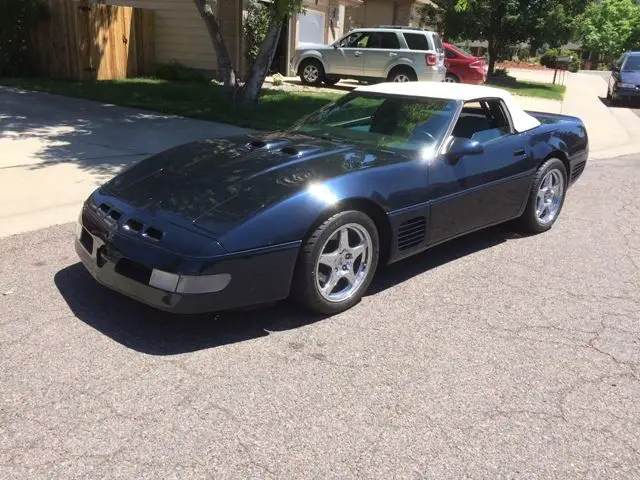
630 77
222 182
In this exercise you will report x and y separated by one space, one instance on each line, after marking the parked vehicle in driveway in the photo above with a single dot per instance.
624 84
392 53
462 67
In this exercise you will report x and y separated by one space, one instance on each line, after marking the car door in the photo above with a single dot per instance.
345 58
479 190
381 51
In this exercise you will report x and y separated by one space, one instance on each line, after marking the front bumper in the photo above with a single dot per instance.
628 93
257 276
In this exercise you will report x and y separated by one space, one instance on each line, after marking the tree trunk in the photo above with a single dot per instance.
225 66
493 55
248 94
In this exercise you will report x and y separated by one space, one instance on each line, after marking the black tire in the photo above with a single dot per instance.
402 71
308 80
331 81
450 78
529 221
305 289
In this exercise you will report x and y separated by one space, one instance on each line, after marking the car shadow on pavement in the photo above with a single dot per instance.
155 332
631 104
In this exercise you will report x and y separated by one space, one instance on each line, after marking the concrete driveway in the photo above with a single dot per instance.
55 150
496 356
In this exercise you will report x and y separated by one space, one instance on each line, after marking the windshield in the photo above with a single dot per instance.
382 121
461 50
632 64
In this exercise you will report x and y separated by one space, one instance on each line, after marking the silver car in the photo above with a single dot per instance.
395 54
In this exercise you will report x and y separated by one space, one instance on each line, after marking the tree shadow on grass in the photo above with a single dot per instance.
154 332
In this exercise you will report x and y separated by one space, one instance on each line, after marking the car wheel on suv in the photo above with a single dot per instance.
402 74
311 72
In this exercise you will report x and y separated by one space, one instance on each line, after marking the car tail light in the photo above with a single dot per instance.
430 59
477 65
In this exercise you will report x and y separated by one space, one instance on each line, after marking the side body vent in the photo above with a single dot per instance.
412 233
577 170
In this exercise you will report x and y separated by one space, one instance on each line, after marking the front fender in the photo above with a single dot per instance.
315 54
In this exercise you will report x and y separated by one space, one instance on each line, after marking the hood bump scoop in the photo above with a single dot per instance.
261 144
299 150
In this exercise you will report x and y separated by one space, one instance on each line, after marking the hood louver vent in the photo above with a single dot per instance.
412 233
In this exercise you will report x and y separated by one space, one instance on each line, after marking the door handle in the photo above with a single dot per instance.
358 53
519 152
393 54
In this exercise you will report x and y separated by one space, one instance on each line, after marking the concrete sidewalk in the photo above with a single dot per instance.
612 131
55 150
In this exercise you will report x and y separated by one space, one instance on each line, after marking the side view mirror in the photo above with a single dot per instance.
614 67
461 147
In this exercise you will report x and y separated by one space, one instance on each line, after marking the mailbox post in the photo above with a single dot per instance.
561 64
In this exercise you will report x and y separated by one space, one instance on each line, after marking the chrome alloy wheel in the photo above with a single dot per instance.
401 78
549 198
343 264
311 73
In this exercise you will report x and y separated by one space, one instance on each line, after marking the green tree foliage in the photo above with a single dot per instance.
504 22
17 17
255 28
609 26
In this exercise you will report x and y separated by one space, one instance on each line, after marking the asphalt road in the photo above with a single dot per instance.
496 356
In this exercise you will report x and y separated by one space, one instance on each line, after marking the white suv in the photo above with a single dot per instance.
395 54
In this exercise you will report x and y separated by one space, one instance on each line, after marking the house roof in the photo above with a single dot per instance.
456 91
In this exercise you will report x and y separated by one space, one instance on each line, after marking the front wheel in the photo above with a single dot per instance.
546 197
450 79
311 72
337 263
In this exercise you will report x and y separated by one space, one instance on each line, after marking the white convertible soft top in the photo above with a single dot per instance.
522 121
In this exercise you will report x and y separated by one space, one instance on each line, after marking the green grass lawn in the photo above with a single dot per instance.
275 110
531 89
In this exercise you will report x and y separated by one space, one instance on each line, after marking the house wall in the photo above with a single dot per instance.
181 34
384 12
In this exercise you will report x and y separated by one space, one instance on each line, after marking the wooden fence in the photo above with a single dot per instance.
86 41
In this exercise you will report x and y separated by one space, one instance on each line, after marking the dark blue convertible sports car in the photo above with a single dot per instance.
383 173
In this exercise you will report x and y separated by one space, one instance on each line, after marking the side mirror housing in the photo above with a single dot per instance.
614 67
461 147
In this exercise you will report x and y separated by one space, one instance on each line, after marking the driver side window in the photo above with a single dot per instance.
355 40
483 121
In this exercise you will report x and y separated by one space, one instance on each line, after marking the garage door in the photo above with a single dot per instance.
311 27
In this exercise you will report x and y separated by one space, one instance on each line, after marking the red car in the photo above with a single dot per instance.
463 67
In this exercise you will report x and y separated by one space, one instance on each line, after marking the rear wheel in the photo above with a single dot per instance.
546 197
337 263
401 75
311 72
451 78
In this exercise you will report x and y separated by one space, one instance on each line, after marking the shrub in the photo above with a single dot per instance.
17 18
277 80
548 59
176 72
256 25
